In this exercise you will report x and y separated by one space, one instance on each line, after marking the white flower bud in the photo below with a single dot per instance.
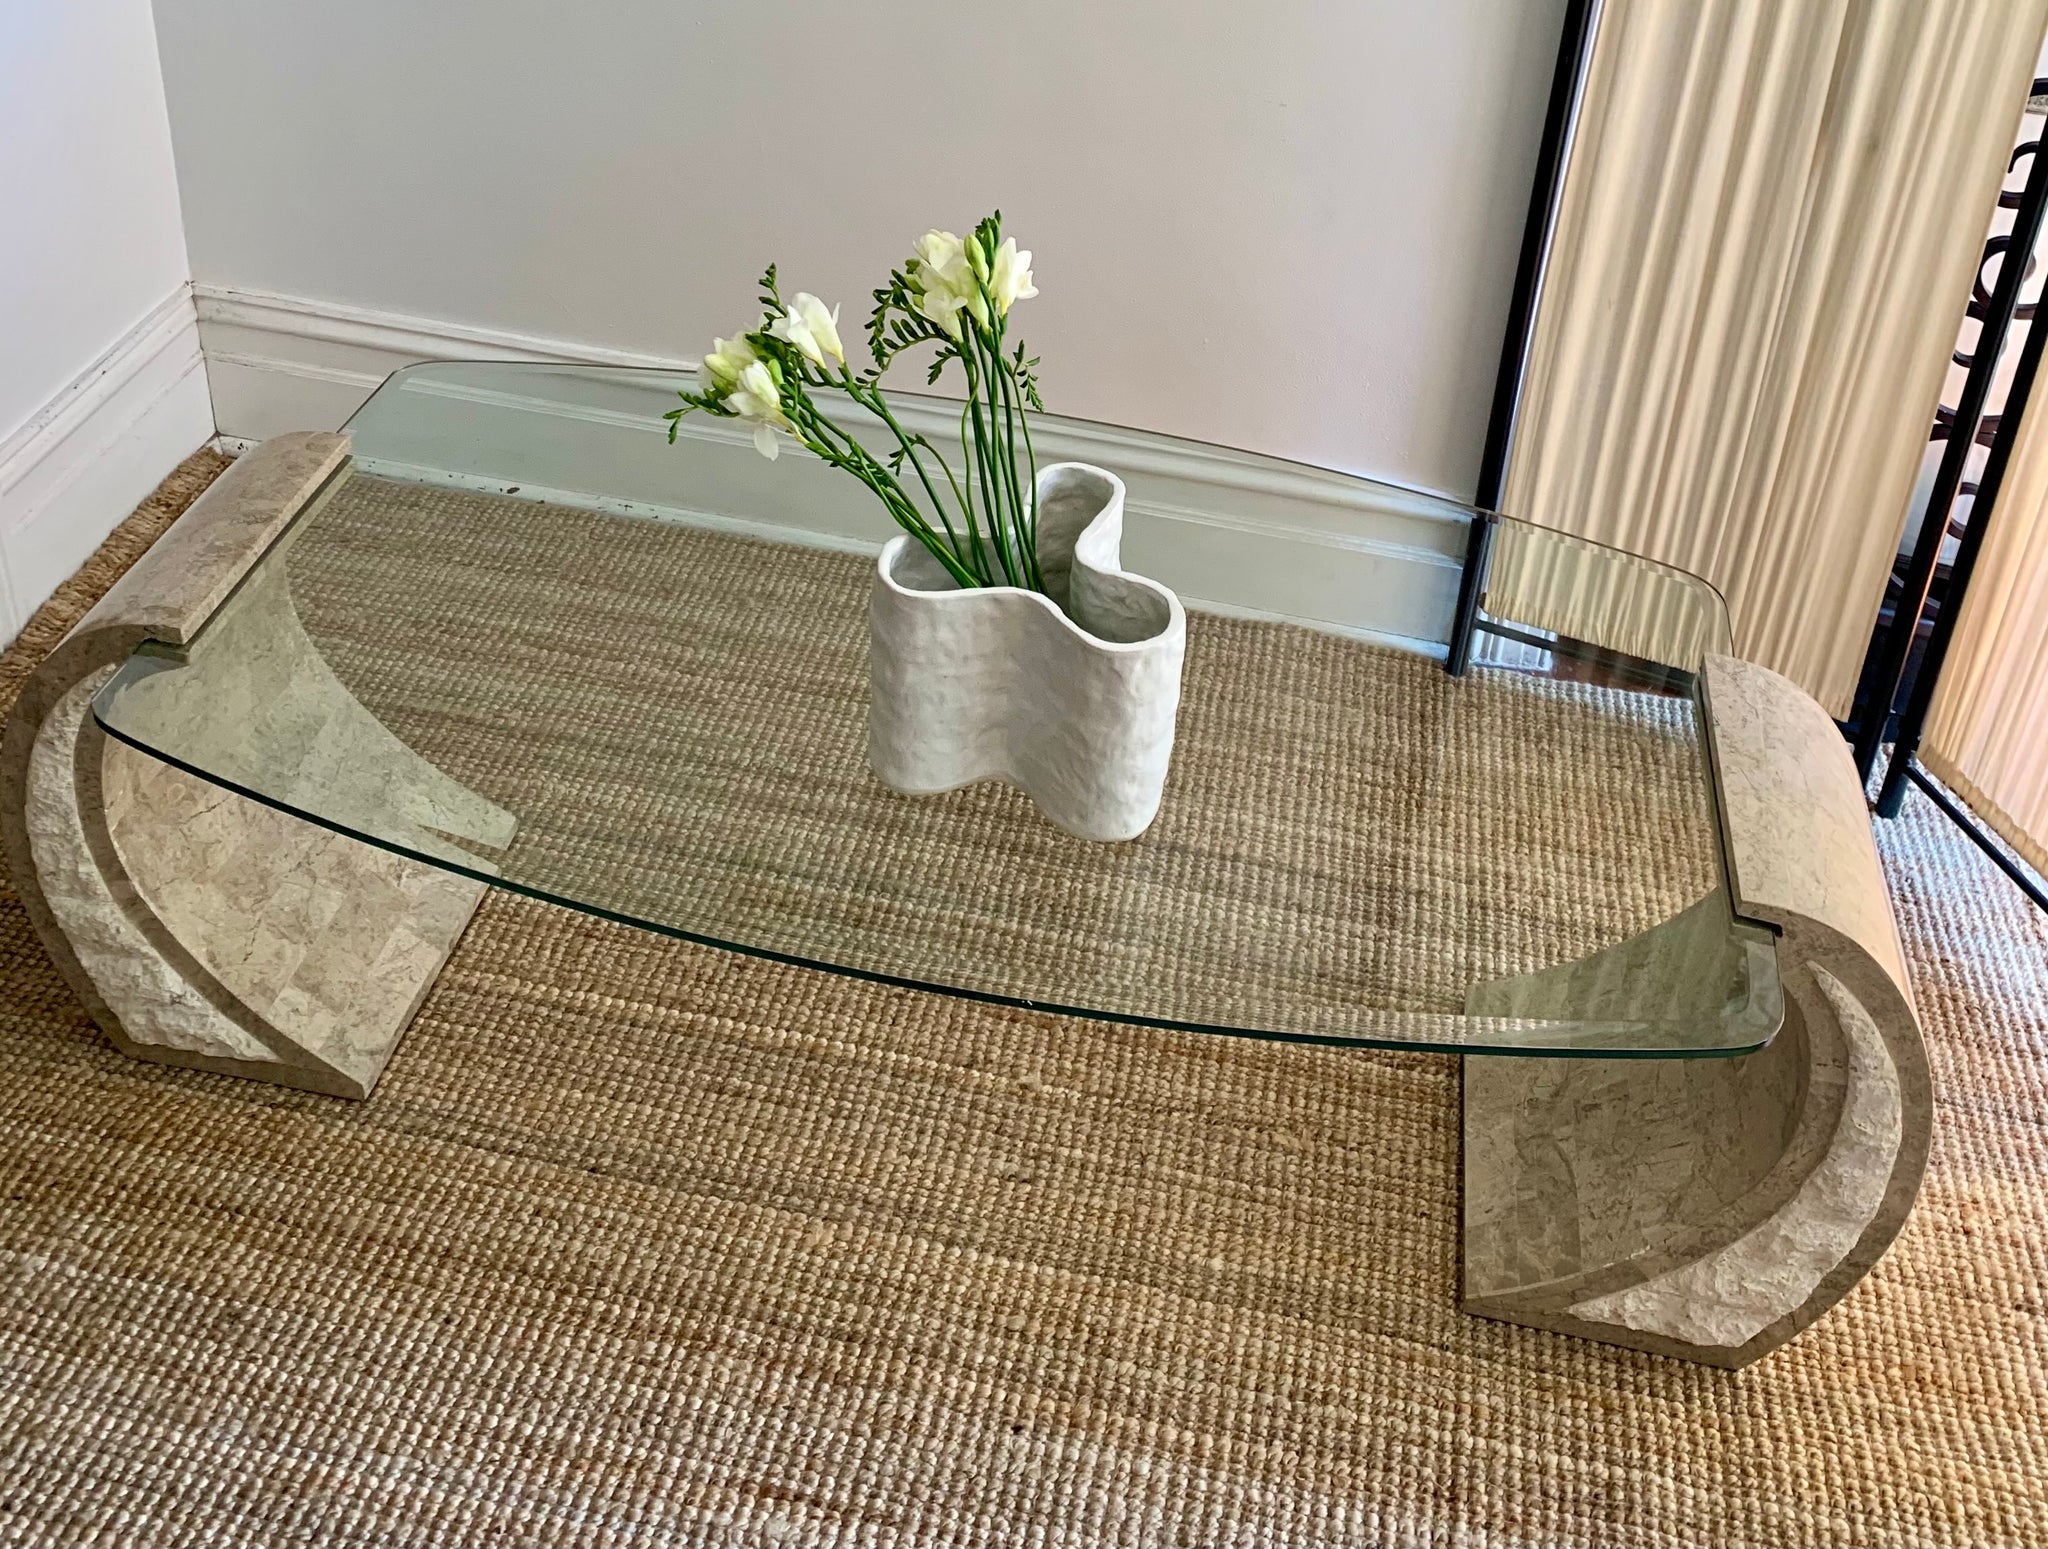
811 329
1009 277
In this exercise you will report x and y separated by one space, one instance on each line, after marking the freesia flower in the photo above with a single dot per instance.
1009 277
941 251
941 307
942 282
811 329
725 361
766 376
756 397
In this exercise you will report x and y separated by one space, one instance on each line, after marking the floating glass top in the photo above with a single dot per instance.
524 638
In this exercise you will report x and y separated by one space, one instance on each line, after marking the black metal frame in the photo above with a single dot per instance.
1891 650
1967 822
1566 81
1913 717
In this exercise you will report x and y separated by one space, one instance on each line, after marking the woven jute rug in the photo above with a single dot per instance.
645 1243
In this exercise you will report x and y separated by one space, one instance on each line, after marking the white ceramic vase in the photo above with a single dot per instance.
1071 696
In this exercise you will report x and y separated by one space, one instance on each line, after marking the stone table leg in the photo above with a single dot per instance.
198 927
1712 1208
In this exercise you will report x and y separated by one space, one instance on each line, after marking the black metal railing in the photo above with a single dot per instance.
1923 603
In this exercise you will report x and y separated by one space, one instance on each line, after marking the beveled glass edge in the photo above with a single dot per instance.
1593 1040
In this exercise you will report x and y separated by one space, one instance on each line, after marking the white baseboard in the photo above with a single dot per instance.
1236 533
280 363
88 457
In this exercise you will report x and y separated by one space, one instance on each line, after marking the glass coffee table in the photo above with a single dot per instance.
500 633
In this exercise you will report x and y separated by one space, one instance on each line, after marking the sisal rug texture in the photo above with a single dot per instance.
642 1243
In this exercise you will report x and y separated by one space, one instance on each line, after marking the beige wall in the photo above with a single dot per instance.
1289 227
100 387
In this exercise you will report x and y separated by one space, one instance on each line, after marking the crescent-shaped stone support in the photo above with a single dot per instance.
1712 1208
201 928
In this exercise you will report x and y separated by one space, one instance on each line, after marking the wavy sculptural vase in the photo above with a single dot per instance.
1069 694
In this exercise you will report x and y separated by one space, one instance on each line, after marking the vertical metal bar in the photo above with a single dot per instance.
1471 588
1913 719
1968 824
1897 644
1567 79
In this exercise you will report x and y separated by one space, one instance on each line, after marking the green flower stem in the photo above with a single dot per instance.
1031 456
999 491
1027 513
947 469
1013 400
861 463
1003 455
971 455
967 474
814 378
991 486
876 404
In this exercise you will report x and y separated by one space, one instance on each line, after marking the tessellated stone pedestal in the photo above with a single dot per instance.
1712 1208
202 928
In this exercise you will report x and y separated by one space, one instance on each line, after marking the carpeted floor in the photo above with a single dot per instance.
643 1243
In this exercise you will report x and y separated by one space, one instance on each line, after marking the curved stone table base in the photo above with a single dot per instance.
201 928
1712 1208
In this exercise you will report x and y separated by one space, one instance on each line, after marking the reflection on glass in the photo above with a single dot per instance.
1627 606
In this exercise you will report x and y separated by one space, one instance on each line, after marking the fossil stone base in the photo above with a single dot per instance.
199 927
1712 1208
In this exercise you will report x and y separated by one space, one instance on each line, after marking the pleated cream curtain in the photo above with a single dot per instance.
1765 237
1987 729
